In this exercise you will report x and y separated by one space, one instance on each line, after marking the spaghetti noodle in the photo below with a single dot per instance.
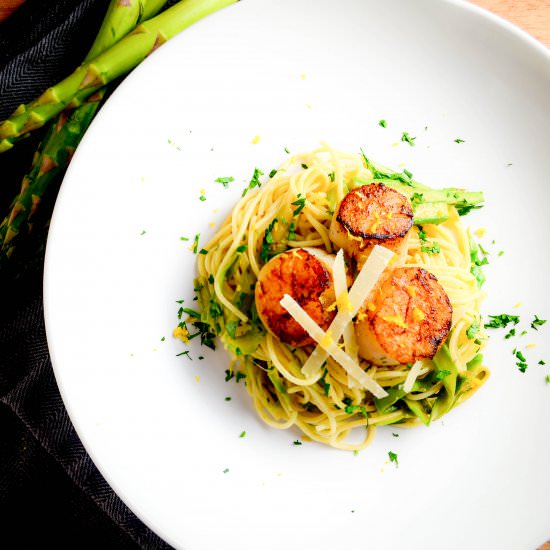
292 210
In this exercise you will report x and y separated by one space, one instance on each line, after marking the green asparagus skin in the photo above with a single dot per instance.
65 132
48 164
429 205
122 16
114 62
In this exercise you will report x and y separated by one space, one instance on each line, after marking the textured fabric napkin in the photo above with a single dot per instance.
50 491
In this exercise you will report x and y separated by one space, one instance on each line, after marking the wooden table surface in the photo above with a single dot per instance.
532 16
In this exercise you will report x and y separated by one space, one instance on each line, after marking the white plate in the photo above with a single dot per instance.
295 73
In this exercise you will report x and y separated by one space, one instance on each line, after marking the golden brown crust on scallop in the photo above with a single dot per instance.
409 314
375 213
308 280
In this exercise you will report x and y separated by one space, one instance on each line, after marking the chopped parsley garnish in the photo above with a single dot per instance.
395 435
382 123
522 366
143 232
407 138
254 181
458 140
215 308
393 458
226 470
229 374
184 238
417 198
242 434
442 374
463 209
207 337
228 398
332 176
477 262
287 151
202 198
502 320
292 231
242 248
542 362
422 235
239 375
297 442
225 181
434 249
265 251
522 362
211 279
203 251
304 166
272 173
300 202
537 323
190 312
510 333
473 330
186 353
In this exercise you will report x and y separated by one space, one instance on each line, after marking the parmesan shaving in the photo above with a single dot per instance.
318 334
343 301
364 283
412 376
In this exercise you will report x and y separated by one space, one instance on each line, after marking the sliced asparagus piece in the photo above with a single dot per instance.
429 205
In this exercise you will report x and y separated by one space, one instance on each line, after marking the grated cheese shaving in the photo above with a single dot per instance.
364 283
318 334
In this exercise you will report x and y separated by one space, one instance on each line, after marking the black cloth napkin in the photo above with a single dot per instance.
50 491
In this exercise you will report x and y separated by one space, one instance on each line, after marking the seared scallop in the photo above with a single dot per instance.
370 215
306 275
406 318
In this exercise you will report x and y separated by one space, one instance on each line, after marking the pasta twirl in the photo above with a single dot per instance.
293 210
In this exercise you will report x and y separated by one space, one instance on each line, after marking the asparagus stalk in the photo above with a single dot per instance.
121 17
429 205
49 163
65 132
114 62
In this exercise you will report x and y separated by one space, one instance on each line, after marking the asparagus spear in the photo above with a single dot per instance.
49 162
121 17
429 205
114 62
66 131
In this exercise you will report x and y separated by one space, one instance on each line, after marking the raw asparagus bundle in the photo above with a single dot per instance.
67 129
112 63
65 132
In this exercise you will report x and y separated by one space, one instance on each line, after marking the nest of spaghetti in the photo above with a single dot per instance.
348 297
